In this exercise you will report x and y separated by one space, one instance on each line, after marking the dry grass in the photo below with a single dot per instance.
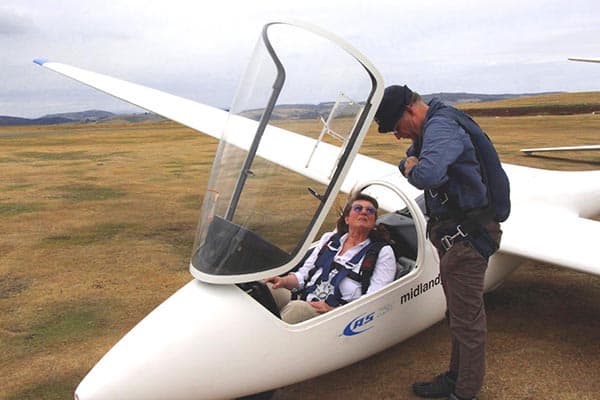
562 99
98 224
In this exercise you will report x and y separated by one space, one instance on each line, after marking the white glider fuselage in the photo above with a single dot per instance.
215 342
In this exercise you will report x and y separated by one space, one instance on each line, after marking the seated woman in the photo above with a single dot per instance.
346 264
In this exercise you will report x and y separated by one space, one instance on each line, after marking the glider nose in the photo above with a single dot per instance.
169 354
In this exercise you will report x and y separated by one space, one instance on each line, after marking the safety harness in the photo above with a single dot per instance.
497 186
327 286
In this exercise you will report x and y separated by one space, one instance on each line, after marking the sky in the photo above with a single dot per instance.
200 49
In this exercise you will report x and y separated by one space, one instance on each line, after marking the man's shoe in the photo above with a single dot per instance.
441 386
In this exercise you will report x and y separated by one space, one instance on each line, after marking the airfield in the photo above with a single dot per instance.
98 223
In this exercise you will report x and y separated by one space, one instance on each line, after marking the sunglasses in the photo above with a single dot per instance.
358 209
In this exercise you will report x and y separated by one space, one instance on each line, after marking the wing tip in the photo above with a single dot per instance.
40 61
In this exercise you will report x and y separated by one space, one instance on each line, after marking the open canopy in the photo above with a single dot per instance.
299 115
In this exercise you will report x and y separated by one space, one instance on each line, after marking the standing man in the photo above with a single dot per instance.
466 195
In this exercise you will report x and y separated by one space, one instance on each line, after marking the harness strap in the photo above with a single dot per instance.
368 265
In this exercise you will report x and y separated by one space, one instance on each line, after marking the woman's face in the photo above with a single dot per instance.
362 216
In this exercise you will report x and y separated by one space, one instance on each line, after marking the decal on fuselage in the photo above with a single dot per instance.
419 289
364 322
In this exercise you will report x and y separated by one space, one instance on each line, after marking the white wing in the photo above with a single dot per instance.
553 236
203 118
550 217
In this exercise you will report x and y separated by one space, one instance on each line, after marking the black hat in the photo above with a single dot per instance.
394 102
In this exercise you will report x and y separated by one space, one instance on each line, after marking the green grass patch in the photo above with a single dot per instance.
191 201
11 285
17 186
53 156
4 160
175 167
52 389
56 325
86 192
88 235
178 235
67 322
12 209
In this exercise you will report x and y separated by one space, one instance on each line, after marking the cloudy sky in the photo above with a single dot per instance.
199 49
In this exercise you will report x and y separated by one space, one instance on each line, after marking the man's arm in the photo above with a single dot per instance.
442 145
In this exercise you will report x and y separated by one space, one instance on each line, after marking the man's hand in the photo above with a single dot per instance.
409 164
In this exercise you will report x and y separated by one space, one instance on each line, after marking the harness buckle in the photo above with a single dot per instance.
445 198
330 246
435 194
447 241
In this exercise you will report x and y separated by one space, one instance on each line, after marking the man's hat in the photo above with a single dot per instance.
394 102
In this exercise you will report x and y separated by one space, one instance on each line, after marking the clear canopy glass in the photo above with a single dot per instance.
298 113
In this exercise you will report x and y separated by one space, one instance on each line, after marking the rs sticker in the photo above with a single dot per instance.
364 322
359 325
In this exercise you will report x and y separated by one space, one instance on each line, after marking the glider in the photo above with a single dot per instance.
564 148
591 60
216 339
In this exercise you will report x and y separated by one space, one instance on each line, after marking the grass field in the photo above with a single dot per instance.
98 223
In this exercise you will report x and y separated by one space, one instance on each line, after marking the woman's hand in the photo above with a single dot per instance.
288 281
320 306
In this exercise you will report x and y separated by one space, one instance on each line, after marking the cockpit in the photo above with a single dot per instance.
293 129
299 116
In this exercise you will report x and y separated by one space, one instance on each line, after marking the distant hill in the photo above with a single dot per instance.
89 116
54 119
82 116
15 121
458 98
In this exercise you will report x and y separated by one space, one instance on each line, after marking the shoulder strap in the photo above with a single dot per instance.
371 253
324 260
368 265
326 256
